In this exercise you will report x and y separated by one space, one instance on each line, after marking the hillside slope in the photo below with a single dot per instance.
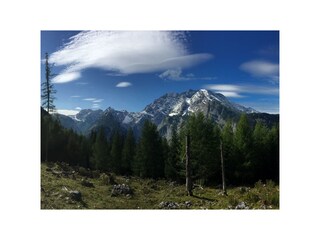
64 187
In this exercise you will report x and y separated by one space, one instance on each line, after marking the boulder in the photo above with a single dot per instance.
75 196
86 183
169 205
242 205
121 189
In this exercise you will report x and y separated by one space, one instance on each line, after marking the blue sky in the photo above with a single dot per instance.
128 70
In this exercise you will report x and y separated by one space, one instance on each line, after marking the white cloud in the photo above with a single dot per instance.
231 90
89 99
75 96
123 52
67 112
172 74
95 105
231 94
97 100
176 75
78 108
124 84
259 68
66 76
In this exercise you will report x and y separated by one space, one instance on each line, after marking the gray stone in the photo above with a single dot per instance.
169 205
86 183
242 205
121 189
75 195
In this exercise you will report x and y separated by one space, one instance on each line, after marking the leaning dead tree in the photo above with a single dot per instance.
224 189
188 167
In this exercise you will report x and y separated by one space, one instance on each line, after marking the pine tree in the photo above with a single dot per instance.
116 150
128 153
204 138
261 150
100 154
227 137
47 92
47 89
273 156
172 167
149 161
243 144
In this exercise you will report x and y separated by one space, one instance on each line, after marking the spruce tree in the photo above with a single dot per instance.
116 150
149 161
204 138
128 153
243 144
47 97
227 138
47 89
172 168
100 154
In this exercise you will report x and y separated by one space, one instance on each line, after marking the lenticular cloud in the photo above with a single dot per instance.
124 53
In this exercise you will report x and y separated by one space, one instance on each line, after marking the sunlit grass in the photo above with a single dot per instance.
148 194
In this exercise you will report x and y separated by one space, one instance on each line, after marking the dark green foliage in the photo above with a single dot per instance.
63 145
100 152
116 152
250 154
128 153
173 164
149 161
243 150
204 148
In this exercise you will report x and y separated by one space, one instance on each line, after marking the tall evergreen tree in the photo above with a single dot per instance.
274 154
243 147
149 162
204 139
47 89
172 165
47 97
261 150
128 153
100 152
116 152
227 137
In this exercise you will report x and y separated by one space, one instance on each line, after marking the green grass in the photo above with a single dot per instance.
147 193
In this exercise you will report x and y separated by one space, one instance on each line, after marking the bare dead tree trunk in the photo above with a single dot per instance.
224 189
188 170
47 141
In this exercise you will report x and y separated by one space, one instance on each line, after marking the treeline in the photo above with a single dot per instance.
250 154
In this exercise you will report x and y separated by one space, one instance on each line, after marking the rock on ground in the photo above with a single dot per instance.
121 189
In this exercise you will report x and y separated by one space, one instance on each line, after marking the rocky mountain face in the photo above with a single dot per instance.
168 111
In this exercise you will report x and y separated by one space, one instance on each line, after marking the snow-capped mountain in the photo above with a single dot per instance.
172 109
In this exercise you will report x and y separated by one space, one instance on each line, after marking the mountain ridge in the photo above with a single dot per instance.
168 111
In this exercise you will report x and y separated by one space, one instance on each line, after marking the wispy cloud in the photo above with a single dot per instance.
75 96
95 105
260 68
89 99
78 108
237 91
66 76
124 53
124 84
177 75
97 100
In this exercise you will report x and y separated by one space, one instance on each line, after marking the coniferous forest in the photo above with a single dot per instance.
250 153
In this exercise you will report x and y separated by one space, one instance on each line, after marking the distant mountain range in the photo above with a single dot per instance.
168 111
